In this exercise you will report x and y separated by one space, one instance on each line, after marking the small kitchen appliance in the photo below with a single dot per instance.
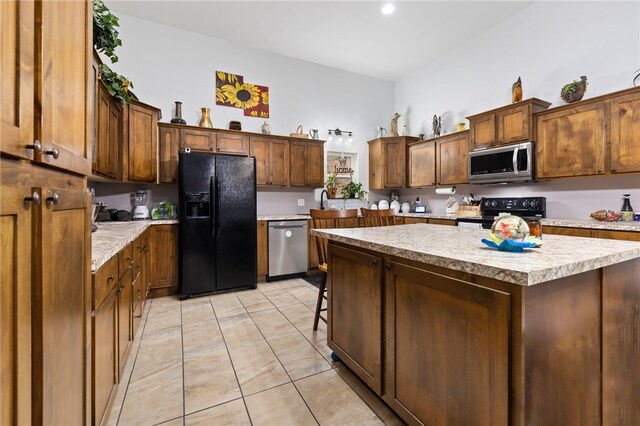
526 208
141 211
513 163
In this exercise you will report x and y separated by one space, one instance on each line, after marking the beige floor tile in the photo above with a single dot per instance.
318 339
304 294
332 401
197 311
281 298
372 400
272 323
267 288
226 305
279 406
208 380
202 337
254 301
298 357
299 314
257 367
230 413
159 349
154 398
239 330
175 422
290 284
164 319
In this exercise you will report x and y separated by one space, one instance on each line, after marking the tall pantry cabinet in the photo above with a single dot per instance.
45 215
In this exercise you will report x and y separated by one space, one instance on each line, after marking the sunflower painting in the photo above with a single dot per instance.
232 91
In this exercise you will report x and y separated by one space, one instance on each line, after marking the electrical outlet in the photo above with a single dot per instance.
300 202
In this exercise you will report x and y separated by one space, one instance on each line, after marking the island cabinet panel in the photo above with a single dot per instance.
15 305
451 157
457 335
620 343
562 351
572 141
355 312
421 164
625 133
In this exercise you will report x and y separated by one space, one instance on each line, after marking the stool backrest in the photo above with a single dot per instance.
384 217
329 219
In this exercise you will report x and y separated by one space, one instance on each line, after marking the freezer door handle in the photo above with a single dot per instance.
213 209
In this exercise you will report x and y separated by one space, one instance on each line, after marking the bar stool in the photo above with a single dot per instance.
384 217
328 219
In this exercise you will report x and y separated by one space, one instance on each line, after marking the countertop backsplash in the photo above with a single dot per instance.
120 195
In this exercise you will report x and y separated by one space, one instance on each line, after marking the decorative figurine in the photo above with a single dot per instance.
516 91
573 92
235 125
266 129
437 126
394 125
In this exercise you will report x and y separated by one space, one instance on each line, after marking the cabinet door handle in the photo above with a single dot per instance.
127 258
55 153
35 199
55 199
614 170
36 146
111 278
374 262
599 171
388 266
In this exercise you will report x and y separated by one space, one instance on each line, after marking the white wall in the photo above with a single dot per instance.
548 45
167 64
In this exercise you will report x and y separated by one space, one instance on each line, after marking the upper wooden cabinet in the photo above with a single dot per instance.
169 145
140 144
421 164
451 158
306 165
387 162
46 45
272 160
624 124
234 143
505 125
197 139
571 141
108 120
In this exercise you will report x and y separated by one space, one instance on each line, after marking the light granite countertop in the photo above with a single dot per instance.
111 237
593 224
276 217
460 249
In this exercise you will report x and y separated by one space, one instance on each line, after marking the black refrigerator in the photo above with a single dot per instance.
217 240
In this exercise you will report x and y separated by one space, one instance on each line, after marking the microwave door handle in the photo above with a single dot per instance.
515 161
529 155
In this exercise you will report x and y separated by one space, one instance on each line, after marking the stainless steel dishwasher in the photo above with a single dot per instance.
287 248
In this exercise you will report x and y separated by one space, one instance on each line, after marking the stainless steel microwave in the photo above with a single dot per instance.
512 163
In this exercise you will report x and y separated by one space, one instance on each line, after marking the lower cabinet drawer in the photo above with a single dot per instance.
104 280
125 257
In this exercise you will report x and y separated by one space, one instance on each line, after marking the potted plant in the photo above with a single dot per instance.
332 185
353 190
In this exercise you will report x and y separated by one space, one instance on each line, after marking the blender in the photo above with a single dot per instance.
141 211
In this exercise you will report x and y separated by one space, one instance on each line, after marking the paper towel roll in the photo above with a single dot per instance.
450 190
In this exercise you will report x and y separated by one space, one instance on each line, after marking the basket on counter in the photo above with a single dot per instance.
300 133
467 211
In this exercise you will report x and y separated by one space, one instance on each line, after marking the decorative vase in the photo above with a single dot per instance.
205 121
331 191
178 118
266 129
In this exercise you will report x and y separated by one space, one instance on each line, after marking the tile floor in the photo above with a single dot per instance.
248 357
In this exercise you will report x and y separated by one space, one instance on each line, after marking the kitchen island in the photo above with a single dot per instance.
450 332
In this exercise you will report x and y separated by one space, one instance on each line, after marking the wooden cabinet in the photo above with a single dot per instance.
140 145
625 133
591 233
197 139
312 248
387 162
421 164
60 305
263 250
354 327
169 145
306 166
124 303
272 160
571 141
447 222
412 220
232 143
451 159
458 333
108 134
37 67
615 235
15 304
105 360
163 258
505 125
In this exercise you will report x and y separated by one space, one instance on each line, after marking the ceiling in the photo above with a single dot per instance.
350 35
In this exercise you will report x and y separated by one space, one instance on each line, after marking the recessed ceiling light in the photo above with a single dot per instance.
388 9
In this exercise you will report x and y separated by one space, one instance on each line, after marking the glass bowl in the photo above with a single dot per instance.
510 227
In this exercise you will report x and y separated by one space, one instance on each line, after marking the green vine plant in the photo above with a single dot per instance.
117 85
105 36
